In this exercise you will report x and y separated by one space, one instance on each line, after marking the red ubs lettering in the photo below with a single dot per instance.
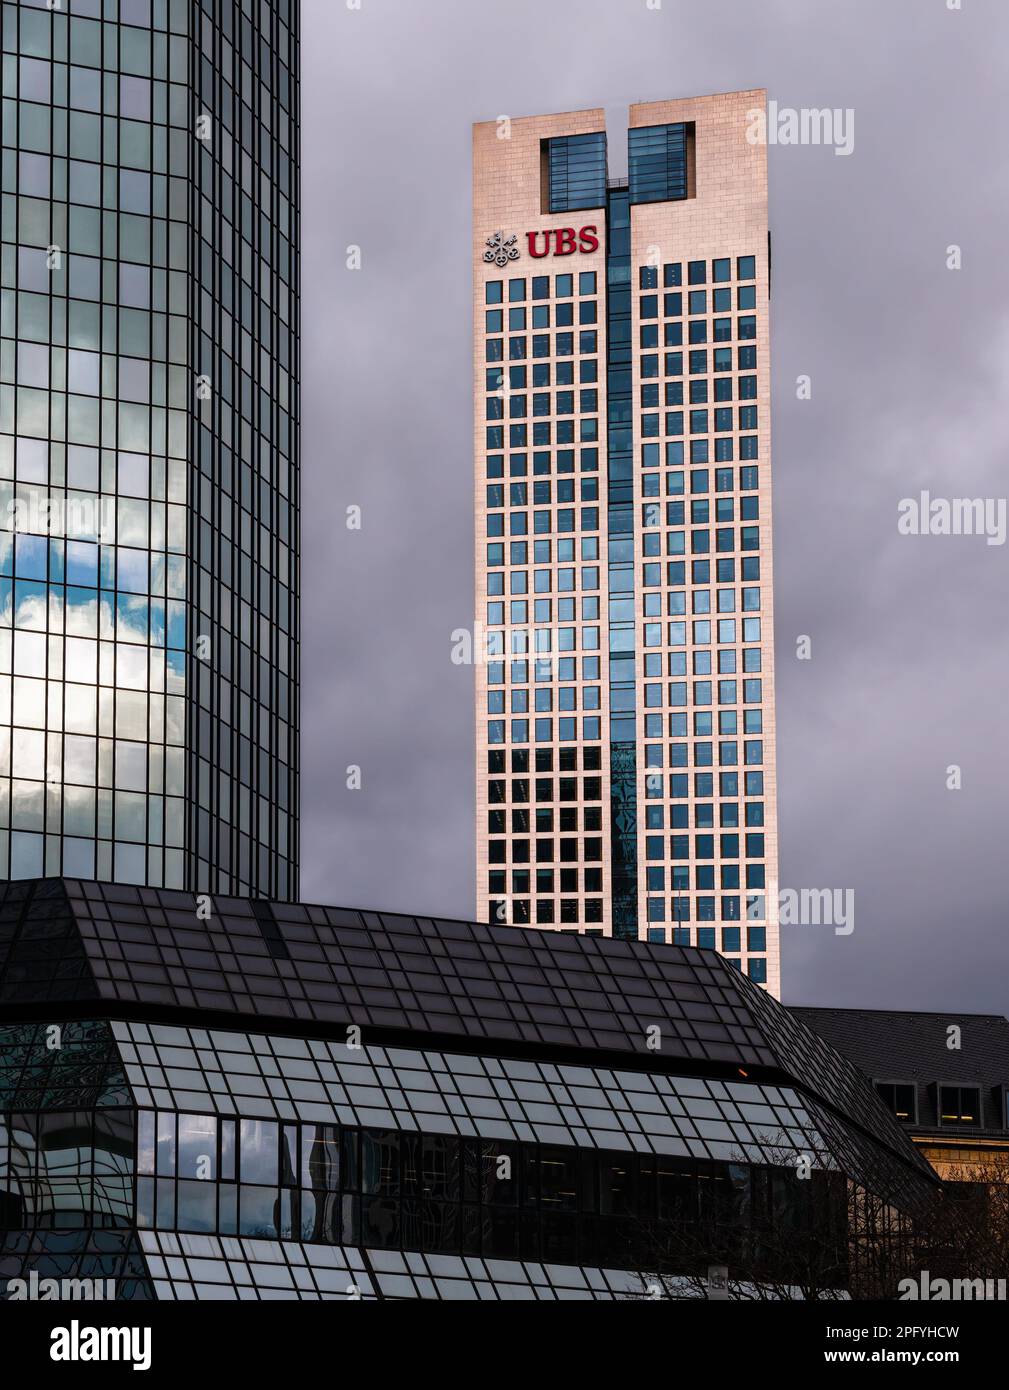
566 241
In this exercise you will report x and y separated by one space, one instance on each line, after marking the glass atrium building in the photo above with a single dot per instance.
148 443
299 1102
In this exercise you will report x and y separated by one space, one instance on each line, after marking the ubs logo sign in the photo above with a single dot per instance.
501 249
566 241
558 241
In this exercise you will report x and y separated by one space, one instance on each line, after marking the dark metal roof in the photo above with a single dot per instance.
307 968
912 1047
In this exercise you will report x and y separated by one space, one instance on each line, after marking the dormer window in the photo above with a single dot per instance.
960 1105
900 1098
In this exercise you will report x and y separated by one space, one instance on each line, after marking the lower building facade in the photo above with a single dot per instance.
271 1101
944 1078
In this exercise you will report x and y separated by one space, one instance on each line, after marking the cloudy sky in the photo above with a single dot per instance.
909 362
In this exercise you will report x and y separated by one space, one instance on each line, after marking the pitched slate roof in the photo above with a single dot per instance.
912 1047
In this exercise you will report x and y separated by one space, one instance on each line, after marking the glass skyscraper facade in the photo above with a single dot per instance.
625 705
148 443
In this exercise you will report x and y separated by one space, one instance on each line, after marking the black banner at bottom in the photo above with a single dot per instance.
176 1338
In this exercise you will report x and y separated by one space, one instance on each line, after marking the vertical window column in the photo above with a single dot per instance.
620 561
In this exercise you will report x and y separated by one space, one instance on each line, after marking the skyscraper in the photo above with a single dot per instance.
148 443
625 698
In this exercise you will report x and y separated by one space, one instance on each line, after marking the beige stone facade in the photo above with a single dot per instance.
544 829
